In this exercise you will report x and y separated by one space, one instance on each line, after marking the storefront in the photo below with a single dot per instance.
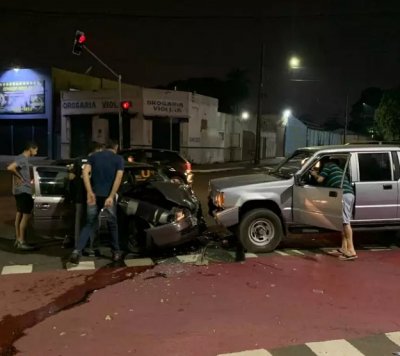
88 116
26 110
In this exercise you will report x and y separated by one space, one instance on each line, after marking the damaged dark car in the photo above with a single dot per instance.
153 212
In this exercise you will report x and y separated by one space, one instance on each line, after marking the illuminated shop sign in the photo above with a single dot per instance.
25 97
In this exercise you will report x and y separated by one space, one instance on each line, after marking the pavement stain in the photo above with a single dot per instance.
12 327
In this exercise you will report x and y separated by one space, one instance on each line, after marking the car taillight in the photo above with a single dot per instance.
188 166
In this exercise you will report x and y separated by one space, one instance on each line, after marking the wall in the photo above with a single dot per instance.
206 137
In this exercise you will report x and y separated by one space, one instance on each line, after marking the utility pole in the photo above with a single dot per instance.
346 119
259 106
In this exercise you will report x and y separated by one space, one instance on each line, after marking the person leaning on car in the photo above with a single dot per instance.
78 192
331 175
102 177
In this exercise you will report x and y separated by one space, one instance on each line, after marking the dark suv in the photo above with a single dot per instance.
171 163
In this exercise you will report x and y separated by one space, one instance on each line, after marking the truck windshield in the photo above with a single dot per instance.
292 164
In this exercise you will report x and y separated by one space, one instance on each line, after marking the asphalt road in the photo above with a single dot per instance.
295 301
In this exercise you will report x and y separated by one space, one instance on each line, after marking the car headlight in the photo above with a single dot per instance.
219 199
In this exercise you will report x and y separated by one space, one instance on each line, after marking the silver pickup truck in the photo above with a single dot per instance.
261 209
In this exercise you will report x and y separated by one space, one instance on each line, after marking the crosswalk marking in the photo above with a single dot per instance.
334 348
146 261
250 255
82 266
281 253
259 352
17 269
188 258
138 262
394 337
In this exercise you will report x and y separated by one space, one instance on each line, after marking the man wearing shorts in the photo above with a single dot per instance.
22 191
331 175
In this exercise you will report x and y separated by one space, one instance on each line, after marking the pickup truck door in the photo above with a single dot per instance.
376 187
318 206
53 211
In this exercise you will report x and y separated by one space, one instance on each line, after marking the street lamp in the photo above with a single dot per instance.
294 62
285 116
245 115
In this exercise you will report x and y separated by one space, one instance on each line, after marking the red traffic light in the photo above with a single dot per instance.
126 105
81 39
79 42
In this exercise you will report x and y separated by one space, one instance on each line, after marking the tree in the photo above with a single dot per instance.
387 116
362 112
230 92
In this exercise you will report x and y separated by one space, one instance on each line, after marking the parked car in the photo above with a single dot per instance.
172 164
261 209
152 211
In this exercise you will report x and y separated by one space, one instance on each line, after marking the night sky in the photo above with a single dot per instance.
345 46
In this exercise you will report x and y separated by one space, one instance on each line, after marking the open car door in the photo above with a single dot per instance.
53 211
318 206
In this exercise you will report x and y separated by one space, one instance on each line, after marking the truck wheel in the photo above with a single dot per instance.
260 230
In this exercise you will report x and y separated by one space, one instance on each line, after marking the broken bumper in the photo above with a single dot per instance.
174 233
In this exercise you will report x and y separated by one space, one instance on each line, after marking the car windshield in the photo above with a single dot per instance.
292 164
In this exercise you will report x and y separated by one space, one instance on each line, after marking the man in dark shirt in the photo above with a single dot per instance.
78 189
102 177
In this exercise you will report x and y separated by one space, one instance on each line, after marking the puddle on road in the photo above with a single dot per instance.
13 327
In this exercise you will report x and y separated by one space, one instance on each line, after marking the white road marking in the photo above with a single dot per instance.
188 258
298 252
17 269
334 348
259 352
380 249
82 266
394 337
137 262
250 255
281 253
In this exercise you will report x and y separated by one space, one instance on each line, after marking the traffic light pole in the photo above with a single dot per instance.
119 77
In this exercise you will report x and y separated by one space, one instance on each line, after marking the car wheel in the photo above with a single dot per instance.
260 230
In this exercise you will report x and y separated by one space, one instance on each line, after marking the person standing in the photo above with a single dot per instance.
22 191
332 175
78 191
102 177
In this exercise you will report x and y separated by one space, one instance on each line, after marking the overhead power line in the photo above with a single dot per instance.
130 15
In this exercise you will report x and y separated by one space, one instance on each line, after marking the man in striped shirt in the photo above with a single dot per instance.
332 175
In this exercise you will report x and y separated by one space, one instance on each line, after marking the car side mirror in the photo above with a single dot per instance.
298 179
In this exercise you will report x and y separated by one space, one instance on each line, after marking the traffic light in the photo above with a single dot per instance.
79 42
126 105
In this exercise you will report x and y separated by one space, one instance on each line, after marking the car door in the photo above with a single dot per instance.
317 205
376 187
53 212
